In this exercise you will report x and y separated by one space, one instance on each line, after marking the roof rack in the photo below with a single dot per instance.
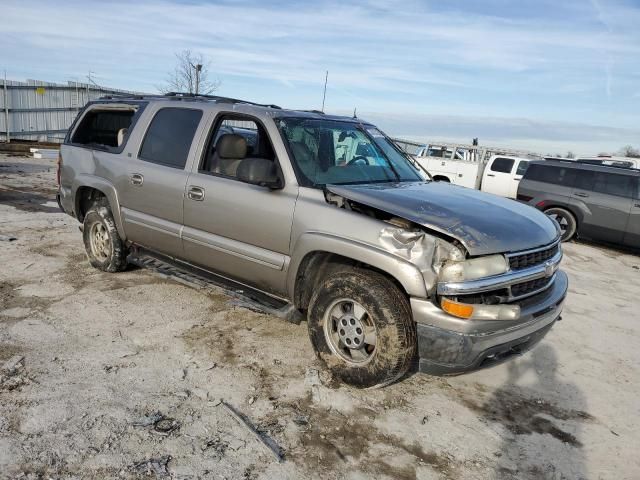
190 96
593 163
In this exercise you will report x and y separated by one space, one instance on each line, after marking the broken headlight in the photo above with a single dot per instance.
473 268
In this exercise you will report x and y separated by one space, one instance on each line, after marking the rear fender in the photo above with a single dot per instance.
109 191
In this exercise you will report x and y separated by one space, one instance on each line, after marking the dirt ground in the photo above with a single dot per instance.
121 376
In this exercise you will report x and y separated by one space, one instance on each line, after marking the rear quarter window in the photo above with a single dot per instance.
169 136
607 183
104 127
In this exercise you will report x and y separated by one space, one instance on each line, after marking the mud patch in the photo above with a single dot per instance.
10 297
28 201
7 351
523 415
329 437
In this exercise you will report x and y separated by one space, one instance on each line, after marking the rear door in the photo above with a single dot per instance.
498 176
152 186
632 235
605 199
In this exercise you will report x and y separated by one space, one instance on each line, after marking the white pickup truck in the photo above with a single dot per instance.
495 171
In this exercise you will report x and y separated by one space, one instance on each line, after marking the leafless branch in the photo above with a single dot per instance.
184 77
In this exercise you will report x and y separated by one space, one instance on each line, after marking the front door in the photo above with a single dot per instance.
235 228
498 176
153 185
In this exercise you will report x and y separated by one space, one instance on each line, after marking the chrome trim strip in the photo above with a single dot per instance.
503 280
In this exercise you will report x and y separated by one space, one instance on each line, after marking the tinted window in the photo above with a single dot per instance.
503 165
169 136
607 183
584 180
612 184
550 174
522 167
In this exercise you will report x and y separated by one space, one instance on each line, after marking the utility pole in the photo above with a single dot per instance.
89 77
6 107
198 69
324 95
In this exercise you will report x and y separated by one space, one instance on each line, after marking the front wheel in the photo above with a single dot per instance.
566 220
361 328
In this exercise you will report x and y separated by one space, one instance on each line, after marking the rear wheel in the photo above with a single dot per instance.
566 220
105 248
361 328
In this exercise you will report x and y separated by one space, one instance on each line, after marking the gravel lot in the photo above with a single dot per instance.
121 376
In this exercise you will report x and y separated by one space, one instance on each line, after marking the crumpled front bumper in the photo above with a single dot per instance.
448 345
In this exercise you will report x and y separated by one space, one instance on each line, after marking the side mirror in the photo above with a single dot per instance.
259 171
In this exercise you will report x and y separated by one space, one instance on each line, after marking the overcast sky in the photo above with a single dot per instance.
547 75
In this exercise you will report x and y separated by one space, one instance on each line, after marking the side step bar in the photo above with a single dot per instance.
195 277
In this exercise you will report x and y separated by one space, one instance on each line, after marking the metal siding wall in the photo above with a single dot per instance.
36 114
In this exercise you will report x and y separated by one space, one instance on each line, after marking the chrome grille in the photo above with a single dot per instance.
526 288
530 259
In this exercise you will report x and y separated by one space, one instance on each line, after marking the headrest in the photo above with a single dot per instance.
231 146
120 136
252 170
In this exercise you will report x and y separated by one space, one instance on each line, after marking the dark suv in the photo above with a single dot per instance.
594 201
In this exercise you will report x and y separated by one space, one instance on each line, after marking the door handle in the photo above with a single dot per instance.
196 193
137 179
490 175
580 194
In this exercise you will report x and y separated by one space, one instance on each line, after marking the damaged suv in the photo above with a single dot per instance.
322 215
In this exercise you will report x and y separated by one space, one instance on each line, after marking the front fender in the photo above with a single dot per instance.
406 273
108 189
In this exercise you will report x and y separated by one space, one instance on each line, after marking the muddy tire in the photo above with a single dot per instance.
566 220
105 248
361 327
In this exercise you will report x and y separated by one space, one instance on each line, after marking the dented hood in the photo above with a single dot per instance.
482 222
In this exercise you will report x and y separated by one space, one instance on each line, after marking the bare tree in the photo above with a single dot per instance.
191 75
570 154
629 151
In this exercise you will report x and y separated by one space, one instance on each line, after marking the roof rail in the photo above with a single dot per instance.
218 99
593 163
189 96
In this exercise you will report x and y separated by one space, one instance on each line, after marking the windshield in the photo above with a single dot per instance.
338 153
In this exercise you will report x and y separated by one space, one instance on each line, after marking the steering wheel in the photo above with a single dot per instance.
358 159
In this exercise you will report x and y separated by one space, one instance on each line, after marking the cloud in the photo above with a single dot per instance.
536 136
569 61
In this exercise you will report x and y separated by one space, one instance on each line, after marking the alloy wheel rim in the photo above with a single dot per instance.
350 332
562 221
100 242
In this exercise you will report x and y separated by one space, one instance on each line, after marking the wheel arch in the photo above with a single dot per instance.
89 188
317 254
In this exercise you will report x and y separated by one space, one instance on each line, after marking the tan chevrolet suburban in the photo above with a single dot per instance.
322 217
